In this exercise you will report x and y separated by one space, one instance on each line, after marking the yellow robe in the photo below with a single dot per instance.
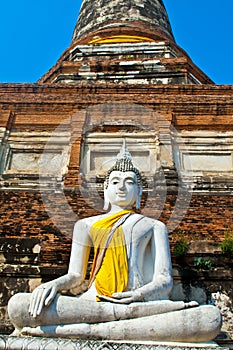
112 276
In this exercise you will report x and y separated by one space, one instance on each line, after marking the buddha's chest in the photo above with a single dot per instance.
138 235
141 253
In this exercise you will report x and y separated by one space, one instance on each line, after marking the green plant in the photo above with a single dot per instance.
202 264
181 247
227 245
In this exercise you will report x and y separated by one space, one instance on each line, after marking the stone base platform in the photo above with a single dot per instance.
39 343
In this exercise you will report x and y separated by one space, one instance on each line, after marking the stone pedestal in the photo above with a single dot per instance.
39 343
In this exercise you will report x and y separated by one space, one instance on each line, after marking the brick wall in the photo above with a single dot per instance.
23 216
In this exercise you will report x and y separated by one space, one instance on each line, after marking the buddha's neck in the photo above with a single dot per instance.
115 209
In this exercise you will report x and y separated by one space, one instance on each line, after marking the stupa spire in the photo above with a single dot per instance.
124 41
122 20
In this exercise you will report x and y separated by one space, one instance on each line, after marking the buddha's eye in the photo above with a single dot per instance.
114 182
130 182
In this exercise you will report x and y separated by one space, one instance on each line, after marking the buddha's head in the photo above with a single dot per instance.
123 183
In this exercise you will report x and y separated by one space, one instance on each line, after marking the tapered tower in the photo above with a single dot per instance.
124 42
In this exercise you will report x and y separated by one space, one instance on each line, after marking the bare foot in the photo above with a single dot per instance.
191 304
31 331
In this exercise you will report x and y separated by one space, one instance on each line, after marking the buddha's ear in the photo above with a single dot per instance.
138 200
106 200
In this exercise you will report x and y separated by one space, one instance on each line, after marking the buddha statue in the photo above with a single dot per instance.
130 281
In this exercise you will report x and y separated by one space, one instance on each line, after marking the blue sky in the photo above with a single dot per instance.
35 33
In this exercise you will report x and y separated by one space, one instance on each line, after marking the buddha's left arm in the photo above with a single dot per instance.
161 284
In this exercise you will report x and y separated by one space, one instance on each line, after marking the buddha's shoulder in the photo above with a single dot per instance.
149 223
89 221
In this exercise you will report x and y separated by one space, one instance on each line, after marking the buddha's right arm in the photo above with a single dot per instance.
45 293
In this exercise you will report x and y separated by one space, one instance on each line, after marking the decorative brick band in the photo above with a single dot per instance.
35 343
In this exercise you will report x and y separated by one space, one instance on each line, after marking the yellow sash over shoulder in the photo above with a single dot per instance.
112 276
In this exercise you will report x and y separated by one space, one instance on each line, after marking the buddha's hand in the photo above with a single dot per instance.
42 296
127 297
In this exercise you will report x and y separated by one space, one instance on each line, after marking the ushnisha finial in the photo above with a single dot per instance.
124 163
124 152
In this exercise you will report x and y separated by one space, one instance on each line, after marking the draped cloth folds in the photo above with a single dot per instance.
112 276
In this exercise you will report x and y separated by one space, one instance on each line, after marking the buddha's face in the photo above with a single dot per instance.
122 189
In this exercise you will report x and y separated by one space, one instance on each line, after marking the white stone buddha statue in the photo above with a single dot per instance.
130 283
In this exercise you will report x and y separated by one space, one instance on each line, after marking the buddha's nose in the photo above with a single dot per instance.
122 185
